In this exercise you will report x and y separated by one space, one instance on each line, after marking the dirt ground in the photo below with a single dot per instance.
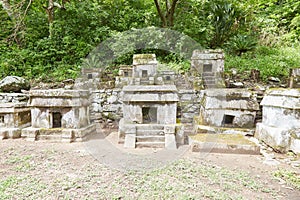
101 169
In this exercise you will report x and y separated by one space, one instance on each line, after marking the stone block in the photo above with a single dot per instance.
295 145
130 140
277 138
3 134
169 129
170 141
129 129
67 135
14 133
30 134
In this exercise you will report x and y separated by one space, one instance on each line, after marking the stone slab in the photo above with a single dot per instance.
223 143
170 141
130 141
224 130
275 137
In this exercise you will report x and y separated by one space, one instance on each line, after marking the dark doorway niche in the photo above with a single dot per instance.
168 78
90 76
1 118
228 120
56 116
207 67
149 115
144 73
126 74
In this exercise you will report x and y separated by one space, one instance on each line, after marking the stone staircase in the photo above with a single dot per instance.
209 79
150 136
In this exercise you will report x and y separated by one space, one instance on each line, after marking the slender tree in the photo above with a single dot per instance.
167 15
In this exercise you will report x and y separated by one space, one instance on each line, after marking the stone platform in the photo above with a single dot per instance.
223 143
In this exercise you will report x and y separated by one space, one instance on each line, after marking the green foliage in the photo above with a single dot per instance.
232 25
270 61
241 43
226 19
279 22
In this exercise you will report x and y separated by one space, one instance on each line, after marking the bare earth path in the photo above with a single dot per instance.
96 169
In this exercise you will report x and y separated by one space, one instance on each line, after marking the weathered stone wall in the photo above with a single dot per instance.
106 104
13 97
188 105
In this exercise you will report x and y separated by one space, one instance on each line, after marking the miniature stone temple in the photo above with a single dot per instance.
61 115
125 76
13 118
209 65
280 127
233 109
149 111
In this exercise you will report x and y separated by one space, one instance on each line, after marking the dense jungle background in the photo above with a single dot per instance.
46 40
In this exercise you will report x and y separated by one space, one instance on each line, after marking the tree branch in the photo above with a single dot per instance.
171 12
161 15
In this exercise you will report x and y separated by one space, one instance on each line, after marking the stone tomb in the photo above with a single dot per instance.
91 73
149 116
61 115
144 69
149 107
13 118
209 64
125 76
280 127
227 111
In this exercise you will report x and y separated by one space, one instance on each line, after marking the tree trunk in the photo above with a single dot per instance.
160 13
167 19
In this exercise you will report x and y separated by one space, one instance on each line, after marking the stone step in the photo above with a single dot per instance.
210 85
149 132
150 144
208 82
150 138
209 77
208 74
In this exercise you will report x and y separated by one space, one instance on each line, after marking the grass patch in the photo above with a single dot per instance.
290 177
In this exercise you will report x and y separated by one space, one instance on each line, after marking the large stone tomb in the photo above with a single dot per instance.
280 127
61 115
227 110
13 118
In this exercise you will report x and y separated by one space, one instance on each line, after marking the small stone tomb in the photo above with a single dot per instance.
149 116
125 76
144 69
13 118
280 127
209 64
228 111
61 115
91 73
